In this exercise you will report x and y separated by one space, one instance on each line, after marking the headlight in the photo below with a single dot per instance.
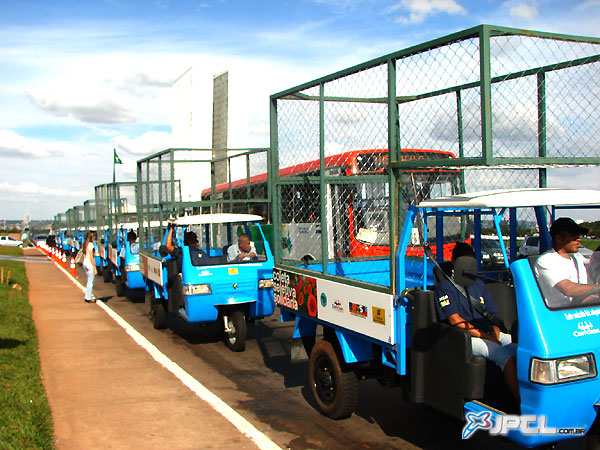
196 289
132 268
265 284
554 371
485 256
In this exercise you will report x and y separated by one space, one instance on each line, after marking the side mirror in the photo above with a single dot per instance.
162 251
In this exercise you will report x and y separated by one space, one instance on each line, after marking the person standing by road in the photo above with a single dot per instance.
26 239
89 265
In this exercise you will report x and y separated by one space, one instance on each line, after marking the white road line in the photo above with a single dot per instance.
258 437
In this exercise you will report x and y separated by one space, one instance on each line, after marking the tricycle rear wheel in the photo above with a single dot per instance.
334 387
119 287
158 312
106 274
235 338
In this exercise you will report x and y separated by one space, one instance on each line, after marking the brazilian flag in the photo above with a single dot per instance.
117 159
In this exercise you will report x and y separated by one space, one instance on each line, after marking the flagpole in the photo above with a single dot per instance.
114 165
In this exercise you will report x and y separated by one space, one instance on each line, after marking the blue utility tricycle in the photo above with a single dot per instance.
198 283
103 258
62 241
399 340
124 260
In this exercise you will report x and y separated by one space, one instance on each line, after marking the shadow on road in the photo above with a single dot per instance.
10 343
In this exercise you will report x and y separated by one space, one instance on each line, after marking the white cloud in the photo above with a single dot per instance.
146 144
524 11
104 111
132 149
13 145
145 85
419 10
589 4
28 188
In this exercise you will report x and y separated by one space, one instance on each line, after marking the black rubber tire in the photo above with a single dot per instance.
158 312
119 287
236 339
334 388
106 274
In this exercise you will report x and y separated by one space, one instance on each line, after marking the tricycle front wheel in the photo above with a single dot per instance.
235 334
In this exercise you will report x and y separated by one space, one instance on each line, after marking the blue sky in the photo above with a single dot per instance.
79 78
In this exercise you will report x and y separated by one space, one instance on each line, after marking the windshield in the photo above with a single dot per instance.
374 229
371 216
226 244
491 245
551 270
372 204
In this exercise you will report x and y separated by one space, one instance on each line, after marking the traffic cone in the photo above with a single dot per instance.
72 269
64 260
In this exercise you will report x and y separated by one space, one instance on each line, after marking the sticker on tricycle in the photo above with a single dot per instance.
361 310
113 255
295 291
151 268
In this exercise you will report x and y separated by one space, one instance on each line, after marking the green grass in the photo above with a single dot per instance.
11 251
25 419
592 244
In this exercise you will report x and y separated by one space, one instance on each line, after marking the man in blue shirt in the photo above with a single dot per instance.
190 239
486 339
134 247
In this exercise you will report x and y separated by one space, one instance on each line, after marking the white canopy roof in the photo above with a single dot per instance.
217 218
507 198
129 225
134 225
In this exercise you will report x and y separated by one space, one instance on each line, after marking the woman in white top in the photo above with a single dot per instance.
89 264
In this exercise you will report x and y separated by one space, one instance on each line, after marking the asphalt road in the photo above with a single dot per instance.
274 395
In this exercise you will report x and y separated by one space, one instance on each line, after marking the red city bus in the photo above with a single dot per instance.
361 208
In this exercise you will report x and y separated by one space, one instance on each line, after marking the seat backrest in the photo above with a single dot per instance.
424 312
505 300
532 259
218 260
